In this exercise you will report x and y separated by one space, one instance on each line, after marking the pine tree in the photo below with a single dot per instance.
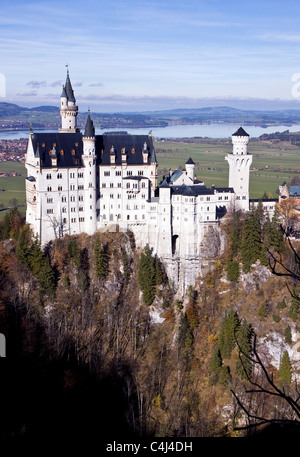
227 337
276 235
233 270
185 336
41 268
158 271
235 234
101 259
23 246
74 251
146 276
285 370
251 238
215 366
244 340
288 335
294 307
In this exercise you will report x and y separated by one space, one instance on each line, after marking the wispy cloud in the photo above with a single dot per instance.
36 84
57 83
96 84
32 93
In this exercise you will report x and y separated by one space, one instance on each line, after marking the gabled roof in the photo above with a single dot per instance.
240 132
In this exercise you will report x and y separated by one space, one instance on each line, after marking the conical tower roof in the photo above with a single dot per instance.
69 89
240 132
89 130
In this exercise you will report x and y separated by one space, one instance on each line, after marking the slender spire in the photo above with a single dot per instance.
68 87
89 130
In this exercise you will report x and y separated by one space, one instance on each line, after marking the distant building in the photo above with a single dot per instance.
82 182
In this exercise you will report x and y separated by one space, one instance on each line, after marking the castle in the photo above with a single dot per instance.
82 182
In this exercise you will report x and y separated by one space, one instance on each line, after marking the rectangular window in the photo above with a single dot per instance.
107 173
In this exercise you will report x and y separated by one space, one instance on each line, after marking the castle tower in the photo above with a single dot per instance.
190 168
239 168
68 108
90 190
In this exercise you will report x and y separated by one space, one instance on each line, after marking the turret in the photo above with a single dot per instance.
190 168
239 168
90 190
68 108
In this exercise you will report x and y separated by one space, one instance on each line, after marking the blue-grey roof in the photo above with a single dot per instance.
89 130
69 89
69 148
175 175
191 190
133 145
295 190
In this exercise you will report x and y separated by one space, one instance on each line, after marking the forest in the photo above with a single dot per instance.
87 356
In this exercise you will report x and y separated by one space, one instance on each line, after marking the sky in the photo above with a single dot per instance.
137 55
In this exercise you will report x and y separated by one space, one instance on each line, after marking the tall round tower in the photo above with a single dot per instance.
68 108
239 168
90 185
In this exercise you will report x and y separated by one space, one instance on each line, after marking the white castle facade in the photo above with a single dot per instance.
86 183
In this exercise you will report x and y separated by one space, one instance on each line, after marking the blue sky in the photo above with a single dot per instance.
143 55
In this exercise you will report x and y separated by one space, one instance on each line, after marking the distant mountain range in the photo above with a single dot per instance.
15 116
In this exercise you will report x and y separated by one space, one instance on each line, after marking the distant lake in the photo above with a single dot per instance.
177 131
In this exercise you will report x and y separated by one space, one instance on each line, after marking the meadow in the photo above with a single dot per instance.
273 163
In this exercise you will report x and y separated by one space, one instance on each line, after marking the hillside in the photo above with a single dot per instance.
14 116
83 339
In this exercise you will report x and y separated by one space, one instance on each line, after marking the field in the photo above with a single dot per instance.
273 163
14 186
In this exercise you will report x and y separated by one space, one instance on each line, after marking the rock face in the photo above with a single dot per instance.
184 269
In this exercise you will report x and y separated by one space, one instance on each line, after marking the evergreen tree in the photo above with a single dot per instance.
101 259
244 339
251 238
41 268
158 271
227 337
146 275
288 335
225 376
74 251
285 370
235 234
215 366
294 307
233 270
276 235
23 246
185 336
